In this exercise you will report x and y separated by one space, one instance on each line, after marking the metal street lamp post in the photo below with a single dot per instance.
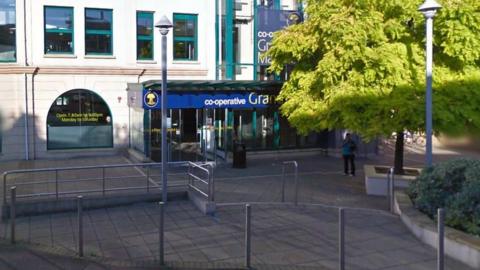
164 25
429 9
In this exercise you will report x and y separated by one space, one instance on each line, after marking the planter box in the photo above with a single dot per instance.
458 245
377 183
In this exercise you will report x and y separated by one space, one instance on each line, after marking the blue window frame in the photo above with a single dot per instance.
7 31
58 30
144 35
185 37
98 31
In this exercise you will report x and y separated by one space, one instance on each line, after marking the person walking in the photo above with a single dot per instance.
348 152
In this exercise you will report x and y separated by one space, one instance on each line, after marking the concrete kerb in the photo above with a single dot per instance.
458 245
308 205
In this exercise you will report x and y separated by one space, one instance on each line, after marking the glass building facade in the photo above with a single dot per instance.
205 124
191 132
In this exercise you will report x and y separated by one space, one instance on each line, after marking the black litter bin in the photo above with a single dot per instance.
239 156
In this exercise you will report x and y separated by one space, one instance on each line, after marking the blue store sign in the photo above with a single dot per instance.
268 22
176 100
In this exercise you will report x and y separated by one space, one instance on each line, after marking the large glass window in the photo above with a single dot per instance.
58 30
98 31
79 119
144 35
185 37
7 31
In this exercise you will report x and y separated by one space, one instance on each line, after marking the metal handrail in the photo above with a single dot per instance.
103 178
295 165
208 180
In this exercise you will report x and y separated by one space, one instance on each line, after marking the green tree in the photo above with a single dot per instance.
359 65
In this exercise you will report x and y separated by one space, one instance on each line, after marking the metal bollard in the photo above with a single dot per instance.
161 247
148 179
56 184
4 188
296 183
283 183
391 190
13 192
80 225
341 238
441 239
103 181
248 215
211 184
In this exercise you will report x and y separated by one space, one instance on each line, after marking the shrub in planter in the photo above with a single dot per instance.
455 186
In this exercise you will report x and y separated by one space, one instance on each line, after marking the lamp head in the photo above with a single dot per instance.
164 25
429 6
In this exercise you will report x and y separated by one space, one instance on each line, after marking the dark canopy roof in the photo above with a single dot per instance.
215 85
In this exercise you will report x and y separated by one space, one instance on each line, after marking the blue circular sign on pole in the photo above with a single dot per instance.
150 99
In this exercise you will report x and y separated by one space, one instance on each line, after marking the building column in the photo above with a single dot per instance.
229 16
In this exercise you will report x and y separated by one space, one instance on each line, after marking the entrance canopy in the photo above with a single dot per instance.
205 94
273 86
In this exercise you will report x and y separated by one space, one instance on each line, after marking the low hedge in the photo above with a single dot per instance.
455 186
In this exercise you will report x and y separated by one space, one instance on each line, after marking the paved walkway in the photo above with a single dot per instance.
320 179
284 237
304 236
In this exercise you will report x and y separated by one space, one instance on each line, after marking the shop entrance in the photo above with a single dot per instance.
186 144
189 125
193 134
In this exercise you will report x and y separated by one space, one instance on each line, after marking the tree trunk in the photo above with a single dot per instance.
398 162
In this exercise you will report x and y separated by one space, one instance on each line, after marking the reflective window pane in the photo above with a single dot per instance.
184 28
185 36
79 119
58 43
184 50
144 35
7 31
58 30
98 31
98 19
98 43
144 49
144 23
57 18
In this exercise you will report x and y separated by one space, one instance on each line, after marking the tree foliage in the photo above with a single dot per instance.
359 65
